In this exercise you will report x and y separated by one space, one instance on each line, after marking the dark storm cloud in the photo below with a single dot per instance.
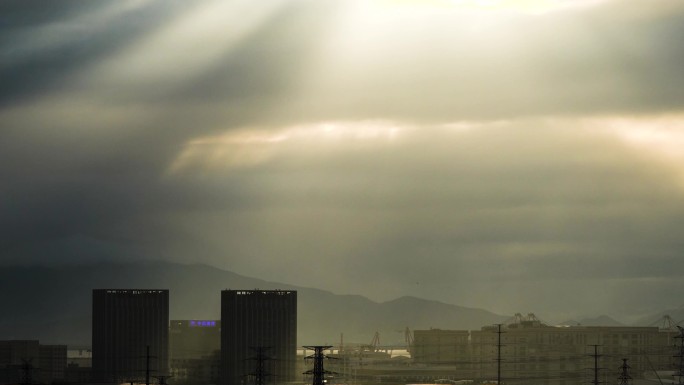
244 136
611 57
45 43
79 167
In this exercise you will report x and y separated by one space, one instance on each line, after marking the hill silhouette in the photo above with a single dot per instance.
53 303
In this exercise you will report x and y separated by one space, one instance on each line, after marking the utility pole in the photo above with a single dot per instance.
596 367
147 369
147 366
318 372
260 373
498 353
624 373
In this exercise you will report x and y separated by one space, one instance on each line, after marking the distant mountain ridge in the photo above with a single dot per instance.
676 316
602 320
53 304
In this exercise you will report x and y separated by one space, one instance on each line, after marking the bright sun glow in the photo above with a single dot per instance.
251 147
660 138
527 6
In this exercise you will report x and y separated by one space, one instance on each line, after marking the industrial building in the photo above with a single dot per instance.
130 334
253 319
529 351
443 347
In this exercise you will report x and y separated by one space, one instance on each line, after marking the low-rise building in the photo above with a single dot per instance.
528 351
27 361
443 347
194 351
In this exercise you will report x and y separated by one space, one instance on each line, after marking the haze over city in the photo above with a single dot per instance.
513 156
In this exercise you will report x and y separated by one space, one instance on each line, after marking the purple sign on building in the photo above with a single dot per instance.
202 323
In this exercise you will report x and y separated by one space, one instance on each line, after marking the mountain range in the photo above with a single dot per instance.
53 304
602 320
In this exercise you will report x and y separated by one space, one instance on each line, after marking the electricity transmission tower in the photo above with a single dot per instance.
318 357
27 370
624 373
260 358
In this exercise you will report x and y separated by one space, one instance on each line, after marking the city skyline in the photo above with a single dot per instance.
521 350
509 155
43 313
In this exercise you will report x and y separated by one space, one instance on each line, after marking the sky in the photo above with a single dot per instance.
512 155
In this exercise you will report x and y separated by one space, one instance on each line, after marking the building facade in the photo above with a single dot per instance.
252 319
193 338
130 334
442 347
531 352
194 351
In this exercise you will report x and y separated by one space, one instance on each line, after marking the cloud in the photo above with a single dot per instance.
490 158
344 61
560 206
481 65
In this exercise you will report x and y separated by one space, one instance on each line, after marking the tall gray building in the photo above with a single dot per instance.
252 319
125 324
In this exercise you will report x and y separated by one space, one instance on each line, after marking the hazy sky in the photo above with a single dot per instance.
518 156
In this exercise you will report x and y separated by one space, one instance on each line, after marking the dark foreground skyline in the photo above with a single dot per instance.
520 350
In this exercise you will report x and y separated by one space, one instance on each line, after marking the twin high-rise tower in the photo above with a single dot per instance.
130 334
256 319
131 329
